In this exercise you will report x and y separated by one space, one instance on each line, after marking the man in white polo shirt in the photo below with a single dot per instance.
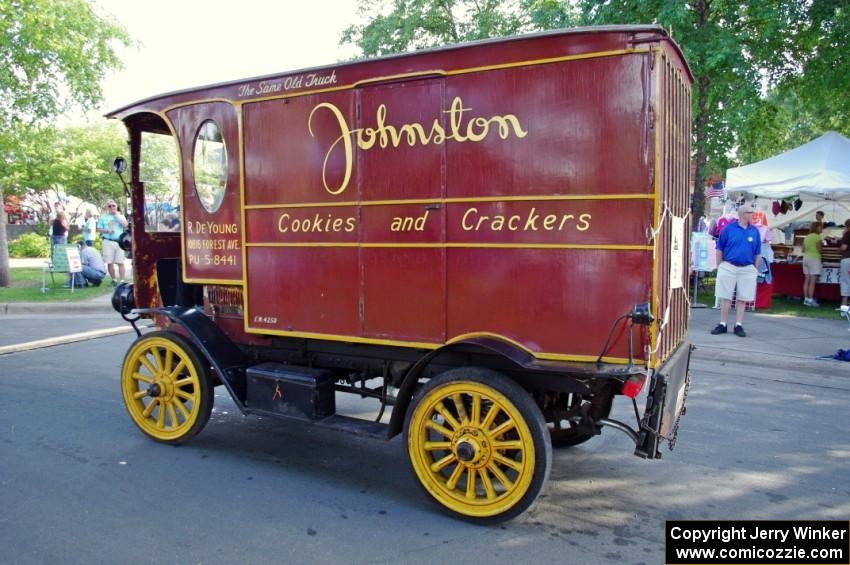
111 225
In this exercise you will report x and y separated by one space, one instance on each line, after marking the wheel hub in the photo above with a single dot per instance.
161 388
471 447
466 451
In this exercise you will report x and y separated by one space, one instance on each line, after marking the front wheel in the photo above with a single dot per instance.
166 387
478 444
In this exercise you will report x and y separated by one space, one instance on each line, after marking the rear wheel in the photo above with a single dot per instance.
478 444
166 387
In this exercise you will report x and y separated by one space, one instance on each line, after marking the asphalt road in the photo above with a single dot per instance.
23 328
80 484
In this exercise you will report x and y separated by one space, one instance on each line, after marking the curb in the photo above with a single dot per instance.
824 367
37 308
62 340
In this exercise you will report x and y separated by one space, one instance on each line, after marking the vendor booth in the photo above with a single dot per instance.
814 176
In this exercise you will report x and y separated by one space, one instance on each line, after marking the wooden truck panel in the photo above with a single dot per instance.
212 241
523 189
490 239
486 203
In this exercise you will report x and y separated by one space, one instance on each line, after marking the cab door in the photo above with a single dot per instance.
208 135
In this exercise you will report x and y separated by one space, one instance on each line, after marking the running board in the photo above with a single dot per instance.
337 423
355 426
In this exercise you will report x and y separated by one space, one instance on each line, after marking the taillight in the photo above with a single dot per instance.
631 387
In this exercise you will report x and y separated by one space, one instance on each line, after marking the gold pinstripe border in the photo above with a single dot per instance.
243 230
434 72
530 198
653 328
401 76
430 345
163 115
546 61
238 107
457 245
231 282
552 356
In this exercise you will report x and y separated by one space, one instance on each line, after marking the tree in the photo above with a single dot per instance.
418 24
83 161
779 123
733 48
53 56
822 88
736 50
24 162
806 104
73 161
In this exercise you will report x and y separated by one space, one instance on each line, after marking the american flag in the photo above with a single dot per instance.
715 190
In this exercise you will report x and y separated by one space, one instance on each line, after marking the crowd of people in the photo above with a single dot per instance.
744 253
109 226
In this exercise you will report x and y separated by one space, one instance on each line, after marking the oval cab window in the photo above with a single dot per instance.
210 166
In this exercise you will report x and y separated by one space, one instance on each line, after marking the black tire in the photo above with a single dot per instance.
490 427
175 378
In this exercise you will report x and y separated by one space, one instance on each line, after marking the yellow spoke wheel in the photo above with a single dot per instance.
166 387
478 444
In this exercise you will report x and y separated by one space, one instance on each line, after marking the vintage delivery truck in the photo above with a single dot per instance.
489 238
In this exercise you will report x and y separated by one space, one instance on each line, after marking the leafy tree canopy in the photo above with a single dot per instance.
83 161
794 49
805 104
824 84
418 24
53 55
74 161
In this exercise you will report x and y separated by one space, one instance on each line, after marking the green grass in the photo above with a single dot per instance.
26 287
780 305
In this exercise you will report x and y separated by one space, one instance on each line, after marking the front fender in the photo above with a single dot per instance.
226 358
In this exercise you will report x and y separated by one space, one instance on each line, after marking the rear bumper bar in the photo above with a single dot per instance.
665 404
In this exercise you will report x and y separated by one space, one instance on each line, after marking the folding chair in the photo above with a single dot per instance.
58 264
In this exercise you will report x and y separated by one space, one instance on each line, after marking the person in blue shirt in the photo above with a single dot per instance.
110 226
93 269
738 253
89 229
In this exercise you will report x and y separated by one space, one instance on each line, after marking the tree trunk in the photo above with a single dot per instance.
701 158
5 274
703 11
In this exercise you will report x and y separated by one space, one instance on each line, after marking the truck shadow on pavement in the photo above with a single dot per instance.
753 445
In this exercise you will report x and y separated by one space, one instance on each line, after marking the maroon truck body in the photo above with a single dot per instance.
520 196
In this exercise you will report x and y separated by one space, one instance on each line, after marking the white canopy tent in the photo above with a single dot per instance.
817 172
